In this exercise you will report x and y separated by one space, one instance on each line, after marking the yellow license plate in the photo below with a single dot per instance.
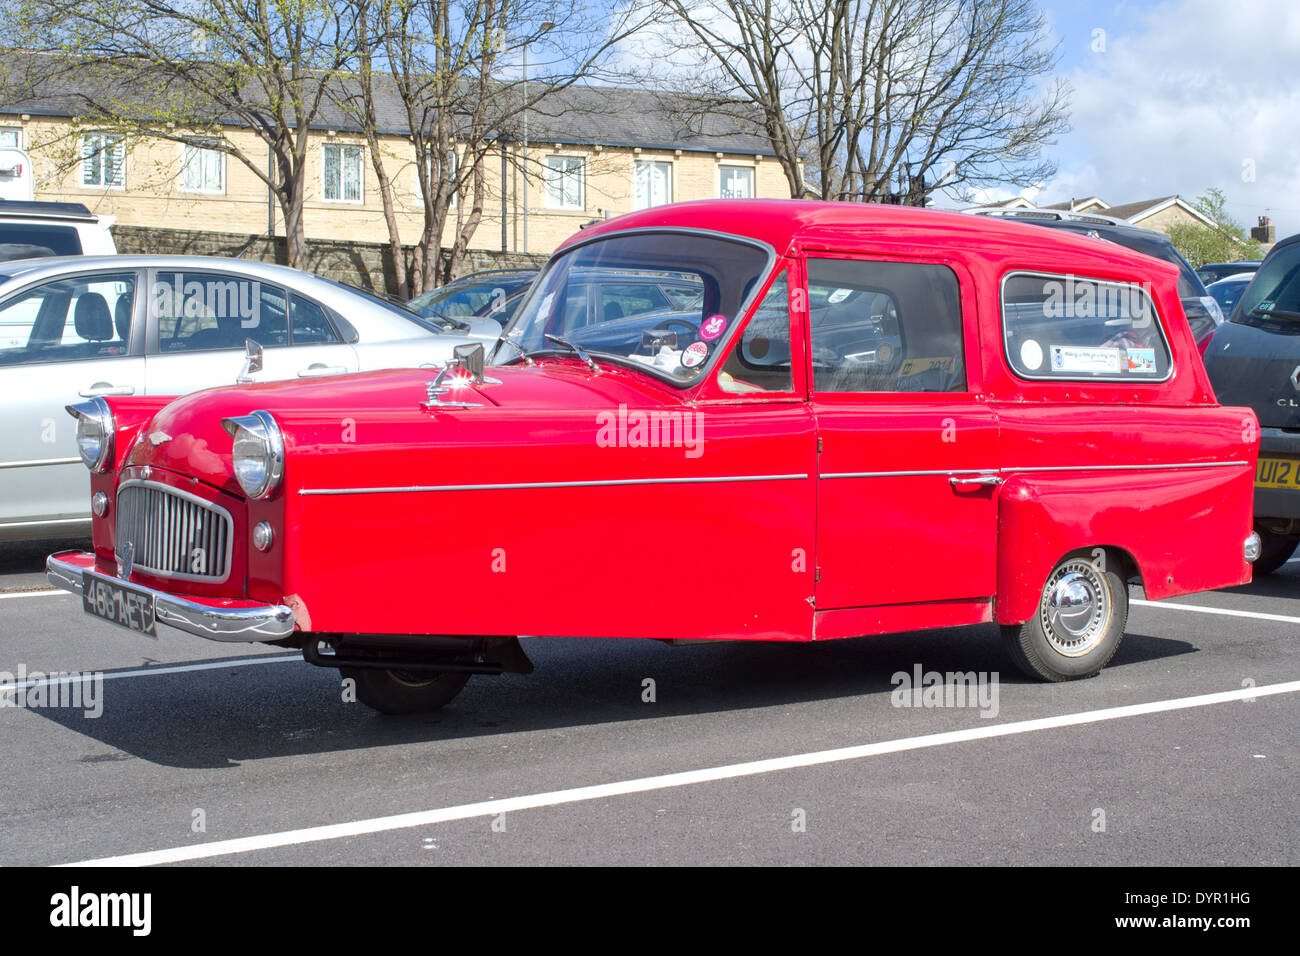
1278 473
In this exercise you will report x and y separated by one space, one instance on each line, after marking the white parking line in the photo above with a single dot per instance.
336 831
42 593
1257 615
59 677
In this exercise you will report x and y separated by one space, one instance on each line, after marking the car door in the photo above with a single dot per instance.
198 322
907 471
61 341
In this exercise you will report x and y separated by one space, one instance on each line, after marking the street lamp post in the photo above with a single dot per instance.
546 27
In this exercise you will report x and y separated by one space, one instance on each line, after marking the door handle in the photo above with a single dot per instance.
104 388
991 481
315 371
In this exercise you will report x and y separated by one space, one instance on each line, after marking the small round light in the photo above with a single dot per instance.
1252 547
263 536
99 504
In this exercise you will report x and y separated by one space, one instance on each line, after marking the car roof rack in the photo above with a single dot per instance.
48 210
1058 214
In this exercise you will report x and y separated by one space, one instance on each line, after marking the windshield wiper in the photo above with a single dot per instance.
453 322
1275 314
578 350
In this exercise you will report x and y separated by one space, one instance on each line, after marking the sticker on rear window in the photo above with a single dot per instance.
1078 358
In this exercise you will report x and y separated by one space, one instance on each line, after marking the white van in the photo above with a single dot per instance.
30 230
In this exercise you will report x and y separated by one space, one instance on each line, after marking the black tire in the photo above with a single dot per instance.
1275 550
1077 626
404 692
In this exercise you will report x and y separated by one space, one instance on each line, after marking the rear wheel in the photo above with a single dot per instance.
1078 625
405 692
1275 550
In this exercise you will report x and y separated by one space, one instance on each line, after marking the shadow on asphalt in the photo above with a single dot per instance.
28 557
221 717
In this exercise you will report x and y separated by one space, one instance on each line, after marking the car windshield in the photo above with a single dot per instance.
1273 297
1227 291
641 299
486 298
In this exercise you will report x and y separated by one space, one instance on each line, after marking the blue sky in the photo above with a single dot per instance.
1177 96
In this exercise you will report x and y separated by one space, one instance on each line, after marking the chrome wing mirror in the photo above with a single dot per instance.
252 362
463 369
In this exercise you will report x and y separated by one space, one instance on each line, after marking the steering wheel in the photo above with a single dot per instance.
667 324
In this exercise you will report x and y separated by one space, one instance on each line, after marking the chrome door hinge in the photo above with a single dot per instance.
819 444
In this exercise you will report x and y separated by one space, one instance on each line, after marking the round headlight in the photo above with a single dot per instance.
94 432
258 452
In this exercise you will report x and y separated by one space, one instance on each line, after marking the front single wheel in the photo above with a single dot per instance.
1080 621
404 692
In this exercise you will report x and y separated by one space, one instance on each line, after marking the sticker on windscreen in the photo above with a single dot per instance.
712 327
1031 355
694 354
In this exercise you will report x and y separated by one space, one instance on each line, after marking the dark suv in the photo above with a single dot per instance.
1203 312
1254 359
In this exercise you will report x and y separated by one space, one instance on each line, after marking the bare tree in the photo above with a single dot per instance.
181 71
878 96
450 69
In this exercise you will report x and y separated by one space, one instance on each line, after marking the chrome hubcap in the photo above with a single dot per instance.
1075 608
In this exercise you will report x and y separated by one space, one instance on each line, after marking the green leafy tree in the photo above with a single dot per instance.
1225 241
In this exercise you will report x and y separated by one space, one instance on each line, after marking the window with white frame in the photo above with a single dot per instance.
103 160
653 183
736 182
203 168
11 137
564 182
342 172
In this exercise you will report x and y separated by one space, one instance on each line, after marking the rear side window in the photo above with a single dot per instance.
34 240
885 327
1058 327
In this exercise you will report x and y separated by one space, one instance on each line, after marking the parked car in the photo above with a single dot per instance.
1254 359
37 229
86 326
1227 291
1214 271
476 306
1203 313
1046 434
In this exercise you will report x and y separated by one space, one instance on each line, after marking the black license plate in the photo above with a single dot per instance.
118 602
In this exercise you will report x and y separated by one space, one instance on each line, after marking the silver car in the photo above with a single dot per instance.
76 327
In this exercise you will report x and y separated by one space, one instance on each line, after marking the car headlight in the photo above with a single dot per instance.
258 452
94 432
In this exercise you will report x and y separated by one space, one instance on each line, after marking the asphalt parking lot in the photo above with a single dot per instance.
754 754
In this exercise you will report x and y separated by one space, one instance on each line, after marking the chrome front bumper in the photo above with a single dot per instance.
217 619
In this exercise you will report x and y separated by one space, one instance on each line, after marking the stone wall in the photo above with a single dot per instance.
365 264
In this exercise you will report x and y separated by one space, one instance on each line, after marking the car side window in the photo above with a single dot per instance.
68 320
760 360
885 327
1060 327
308 323
199 312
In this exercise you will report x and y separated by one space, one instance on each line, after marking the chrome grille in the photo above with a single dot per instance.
174 534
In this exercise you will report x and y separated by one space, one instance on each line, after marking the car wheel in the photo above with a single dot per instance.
1078 626
1275 550
405 692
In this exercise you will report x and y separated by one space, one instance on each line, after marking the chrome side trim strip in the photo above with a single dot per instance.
1190 464
411 489
908 474
231 625
39 462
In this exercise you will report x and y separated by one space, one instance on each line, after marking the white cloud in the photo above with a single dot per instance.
1205 93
